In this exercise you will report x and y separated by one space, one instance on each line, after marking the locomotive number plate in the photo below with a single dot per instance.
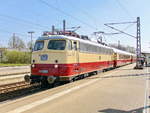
43 71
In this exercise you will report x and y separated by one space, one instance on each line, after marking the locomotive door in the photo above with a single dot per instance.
131 59
76 57
115 59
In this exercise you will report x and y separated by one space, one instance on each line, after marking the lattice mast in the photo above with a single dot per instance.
138 41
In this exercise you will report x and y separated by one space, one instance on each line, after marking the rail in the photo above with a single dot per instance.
14 86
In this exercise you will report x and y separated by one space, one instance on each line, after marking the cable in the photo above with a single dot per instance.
124 8
8 32
84 12
67 14
128 27
24 21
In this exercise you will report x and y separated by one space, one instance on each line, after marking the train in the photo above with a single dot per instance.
64 58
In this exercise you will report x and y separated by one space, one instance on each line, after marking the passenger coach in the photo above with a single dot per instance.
122 57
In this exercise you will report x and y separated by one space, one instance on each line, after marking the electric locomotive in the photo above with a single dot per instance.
63 58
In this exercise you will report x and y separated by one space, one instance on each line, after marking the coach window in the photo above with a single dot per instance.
69 45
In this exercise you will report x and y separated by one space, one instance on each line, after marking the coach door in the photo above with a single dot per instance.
76 57
115 59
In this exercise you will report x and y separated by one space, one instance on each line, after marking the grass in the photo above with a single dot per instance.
6 65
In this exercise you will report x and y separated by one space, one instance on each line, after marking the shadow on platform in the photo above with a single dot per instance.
109 110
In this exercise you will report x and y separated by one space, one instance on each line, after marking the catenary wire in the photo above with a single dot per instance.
67 14
84 12
24 21
124 9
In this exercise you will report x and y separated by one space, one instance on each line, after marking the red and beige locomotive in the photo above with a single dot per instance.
62 58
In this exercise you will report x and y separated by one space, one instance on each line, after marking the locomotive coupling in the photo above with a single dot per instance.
27 78
51 79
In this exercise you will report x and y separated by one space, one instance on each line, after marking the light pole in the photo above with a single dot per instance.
31 33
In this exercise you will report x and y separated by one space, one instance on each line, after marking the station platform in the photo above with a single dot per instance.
122 90
14 70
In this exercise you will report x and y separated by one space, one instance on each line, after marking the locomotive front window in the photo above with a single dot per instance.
39 45
57 44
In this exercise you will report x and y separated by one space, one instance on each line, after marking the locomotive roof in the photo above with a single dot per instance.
71 38
83 41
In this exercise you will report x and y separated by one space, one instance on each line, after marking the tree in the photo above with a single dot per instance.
16 57
29 45
16 43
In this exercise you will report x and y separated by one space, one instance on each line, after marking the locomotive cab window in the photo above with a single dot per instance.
39 45
57 44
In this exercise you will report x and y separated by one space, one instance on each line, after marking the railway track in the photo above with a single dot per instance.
13 86
14 90
11 74
19 89
9 79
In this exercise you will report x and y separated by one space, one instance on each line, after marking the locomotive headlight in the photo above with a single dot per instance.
55 66
33 65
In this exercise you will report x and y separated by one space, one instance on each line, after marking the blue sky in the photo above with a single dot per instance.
21 16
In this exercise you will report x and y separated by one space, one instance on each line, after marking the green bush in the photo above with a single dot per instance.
16 57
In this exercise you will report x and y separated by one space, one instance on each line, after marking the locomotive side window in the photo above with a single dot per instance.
69 45
75 45
90 48
94 49
86 47
82 47
39 45
100 50
57 44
